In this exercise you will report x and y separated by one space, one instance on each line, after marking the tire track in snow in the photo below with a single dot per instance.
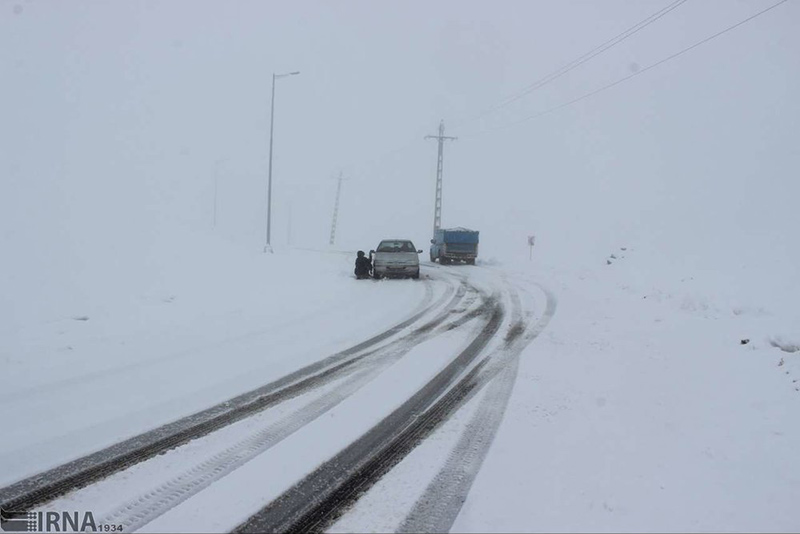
141 510
437 508
316 501
32 491
320 497
154 502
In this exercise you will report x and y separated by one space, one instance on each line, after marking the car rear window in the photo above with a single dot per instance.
396 246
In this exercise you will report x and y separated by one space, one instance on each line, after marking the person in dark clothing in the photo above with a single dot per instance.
363 266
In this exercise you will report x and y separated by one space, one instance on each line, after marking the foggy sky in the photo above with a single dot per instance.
115 116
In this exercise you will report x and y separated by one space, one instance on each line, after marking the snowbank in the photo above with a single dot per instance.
660 398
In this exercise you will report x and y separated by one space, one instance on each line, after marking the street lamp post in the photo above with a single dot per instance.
268 246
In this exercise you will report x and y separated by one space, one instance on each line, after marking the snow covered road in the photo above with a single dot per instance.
469 400
337 425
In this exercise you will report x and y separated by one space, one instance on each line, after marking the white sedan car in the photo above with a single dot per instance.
395 257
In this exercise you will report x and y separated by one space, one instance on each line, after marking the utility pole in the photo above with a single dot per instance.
268 245
336 209
216 179
216 187
289 227
437 208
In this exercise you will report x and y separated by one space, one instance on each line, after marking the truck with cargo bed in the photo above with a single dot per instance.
454 245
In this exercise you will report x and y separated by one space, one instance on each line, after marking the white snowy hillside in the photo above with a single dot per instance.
171 365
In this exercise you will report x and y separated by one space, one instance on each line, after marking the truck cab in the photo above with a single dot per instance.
454 245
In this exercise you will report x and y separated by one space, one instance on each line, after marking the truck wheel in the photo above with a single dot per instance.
433 258
415 276
471 261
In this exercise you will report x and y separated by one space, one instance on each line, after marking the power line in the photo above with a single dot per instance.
626 78
364 168
599 49
550 77
564 69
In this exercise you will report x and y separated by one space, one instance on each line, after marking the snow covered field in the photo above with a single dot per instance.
637 408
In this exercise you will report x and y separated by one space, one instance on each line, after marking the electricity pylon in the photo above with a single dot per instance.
437 207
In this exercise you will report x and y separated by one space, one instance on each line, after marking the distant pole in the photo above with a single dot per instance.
289 227
216 179
336 209
437 206
531 242
268 246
